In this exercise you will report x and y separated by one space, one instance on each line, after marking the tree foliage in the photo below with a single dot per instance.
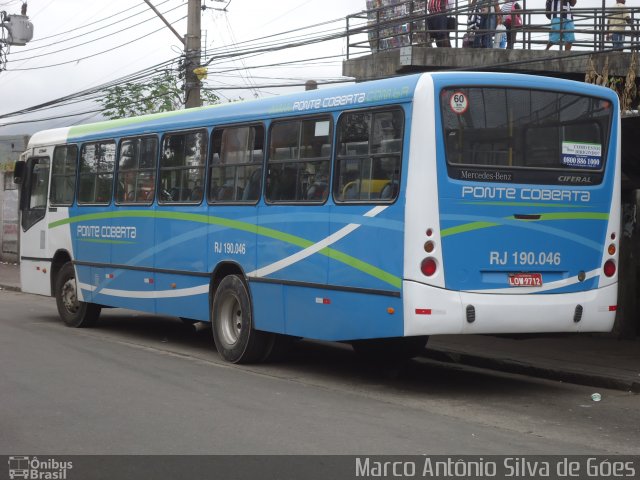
160 94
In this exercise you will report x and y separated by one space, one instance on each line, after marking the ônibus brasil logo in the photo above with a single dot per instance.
31 468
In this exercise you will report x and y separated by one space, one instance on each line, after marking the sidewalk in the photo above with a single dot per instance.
9 276
587 359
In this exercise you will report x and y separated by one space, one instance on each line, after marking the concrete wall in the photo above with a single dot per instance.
538 62
9 228
10 149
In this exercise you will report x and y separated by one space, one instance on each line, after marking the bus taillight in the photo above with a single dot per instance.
609 268
428 266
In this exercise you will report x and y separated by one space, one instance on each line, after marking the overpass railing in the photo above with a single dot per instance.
405 24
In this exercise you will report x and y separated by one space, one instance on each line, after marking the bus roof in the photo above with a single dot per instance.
372 93
379 92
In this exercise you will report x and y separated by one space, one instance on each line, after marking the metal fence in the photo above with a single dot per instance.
405 24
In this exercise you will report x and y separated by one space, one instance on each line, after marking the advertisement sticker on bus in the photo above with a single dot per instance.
582 155
458 103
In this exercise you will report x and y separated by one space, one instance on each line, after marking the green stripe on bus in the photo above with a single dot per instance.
87 129
575 216
468 227
97 240
362 266
242 226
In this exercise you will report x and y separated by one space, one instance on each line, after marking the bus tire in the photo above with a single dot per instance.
73 312
278 346
232 324
392 349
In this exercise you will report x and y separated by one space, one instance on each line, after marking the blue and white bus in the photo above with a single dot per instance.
377 213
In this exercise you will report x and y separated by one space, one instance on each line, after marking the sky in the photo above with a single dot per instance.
81 44
30 78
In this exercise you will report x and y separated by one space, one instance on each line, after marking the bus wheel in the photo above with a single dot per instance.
232 321
396 348
278 346
73 312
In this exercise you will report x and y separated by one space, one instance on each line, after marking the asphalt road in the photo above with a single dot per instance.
139 384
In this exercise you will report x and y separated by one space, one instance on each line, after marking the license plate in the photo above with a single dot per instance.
525 280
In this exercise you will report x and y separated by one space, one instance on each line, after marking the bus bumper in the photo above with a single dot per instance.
430 311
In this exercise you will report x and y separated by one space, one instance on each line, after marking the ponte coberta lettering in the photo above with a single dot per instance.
113 232
327 102
525 194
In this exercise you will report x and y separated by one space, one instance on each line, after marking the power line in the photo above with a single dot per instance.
278 64
95 54
50 118
276 48
91 31
128 9
277 85
133 77
88 42
146 74
244 87
290 31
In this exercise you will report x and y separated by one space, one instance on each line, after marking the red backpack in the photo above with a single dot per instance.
517 19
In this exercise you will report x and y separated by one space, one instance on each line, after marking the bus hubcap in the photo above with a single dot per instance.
69 297
231 320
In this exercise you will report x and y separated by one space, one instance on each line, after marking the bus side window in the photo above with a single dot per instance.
96 172
39 182
369 155
33 198
63 175
182 166
236 164
298 167
137 170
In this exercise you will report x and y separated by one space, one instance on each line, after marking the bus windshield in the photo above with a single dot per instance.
523 135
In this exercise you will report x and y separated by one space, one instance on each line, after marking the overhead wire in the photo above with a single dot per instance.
248 78
133 77
96 30
93 40
92 23
159 96
94 54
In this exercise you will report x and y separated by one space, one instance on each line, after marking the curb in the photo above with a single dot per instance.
514 366
11 288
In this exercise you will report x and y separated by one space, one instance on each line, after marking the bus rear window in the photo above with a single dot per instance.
524 136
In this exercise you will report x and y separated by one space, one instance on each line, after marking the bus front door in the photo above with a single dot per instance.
35 264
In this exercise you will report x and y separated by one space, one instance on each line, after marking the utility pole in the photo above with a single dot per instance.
192 54
191 43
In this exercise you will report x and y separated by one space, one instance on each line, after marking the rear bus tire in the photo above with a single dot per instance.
73 312
232 324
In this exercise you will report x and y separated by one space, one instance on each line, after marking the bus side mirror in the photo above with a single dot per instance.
18 172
